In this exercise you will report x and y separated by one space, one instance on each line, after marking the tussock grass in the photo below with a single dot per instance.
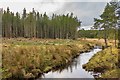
115 73
26 58
105 62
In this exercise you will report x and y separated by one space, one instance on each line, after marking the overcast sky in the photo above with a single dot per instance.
85 10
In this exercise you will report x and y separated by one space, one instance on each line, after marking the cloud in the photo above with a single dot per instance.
49 7
55 0
85 11
41 6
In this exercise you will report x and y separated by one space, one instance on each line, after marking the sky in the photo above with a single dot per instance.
85 10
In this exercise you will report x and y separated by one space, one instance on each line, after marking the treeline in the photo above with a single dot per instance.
97 34
36 25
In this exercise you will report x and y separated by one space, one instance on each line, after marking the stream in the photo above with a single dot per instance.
74 69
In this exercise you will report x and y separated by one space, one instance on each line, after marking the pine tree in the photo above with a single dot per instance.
108 20
35 25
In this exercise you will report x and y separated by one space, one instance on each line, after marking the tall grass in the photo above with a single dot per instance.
28 58
105 62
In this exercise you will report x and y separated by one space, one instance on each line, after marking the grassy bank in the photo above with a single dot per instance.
26 58
105 62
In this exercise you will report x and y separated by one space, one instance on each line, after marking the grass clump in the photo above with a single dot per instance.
105 62
115 73
27 58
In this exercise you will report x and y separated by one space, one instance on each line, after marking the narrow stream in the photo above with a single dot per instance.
74 69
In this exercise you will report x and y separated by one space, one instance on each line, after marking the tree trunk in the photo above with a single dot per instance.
105 37
115 38
119 38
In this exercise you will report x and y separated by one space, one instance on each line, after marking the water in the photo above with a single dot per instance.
74 69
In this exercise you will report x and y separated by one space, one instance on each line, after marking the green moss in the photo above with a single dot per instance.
47 69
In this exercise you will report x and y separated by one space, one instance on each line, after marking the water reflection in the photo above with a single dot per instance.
74 68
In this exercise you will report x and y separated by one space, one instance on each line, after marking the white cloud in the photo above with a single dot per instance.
85 10
55 0
42 7
49 7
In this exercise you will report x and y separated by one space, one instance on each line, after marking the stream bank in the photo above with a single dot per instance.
74 69
30 58
105 62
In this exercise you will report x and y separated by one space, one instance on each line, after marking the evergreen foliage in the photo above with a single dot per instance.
107 20
36 25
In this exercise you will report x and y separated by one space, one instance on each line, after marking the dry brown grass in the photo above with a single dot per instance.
28 57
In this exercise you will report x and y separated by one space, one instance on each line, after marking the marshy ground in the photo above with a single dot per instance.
105 62
27 58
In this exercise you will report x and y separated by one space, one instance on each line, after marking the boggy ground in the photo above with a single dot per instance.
27 58
105 62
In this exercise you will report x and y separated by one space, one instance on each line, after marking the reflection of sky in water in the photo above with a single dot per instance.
74 70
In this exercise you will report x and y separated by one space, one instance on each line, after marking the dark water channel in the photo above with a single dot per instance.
74 69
